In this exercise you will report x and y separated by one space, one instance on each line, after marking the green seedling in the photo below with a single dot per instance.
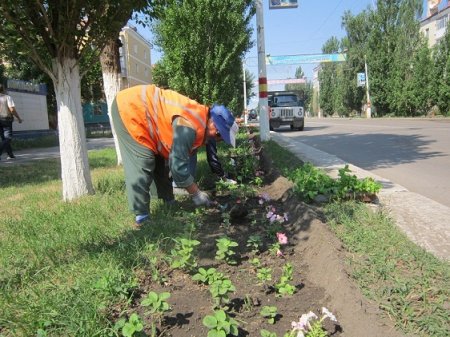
131 326
220 324
183 254
255 262
207 276
283 287
254 242
220 290
270 313
264 275
224 250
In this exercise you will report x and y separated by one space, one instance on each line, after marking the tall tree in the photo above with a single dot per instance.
441 87
203 42
55 35
328 78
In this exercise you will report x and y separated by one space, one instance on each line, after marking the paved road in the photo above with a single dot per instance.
414 153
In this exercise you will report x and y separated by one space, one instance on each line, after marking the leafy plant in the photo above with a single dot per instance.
254 242
131 326
220 289
310 181
269 312
220 324
225 251
183 255
283 287
264 275
156 303
207 276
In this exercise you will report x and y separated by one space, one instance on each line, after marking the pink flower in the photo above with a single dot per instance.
279 253
282 238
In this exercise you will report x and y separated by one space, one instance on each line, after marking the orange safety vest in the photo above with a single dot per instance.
148 111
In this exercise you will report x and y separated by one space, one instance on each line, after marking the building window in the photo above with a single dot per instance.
145 54
137 68
441 23
146 72
135 48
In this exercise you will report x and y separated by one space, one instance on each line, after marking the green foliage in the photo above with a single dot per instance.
283 287
183 254
309 182
199 60
264 275
131 326
208 276
220 324
225 250
269 312
441 87
156 303
220 289
254 242
350 184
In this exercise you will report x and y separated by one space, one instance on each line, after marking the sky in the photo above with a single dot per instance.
294 31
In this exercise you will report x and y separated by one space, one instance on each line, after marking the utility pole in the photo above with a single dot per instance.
262 77
369 108
245 92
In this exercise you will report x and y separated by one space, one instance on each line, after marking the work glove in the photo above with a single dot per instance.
201 198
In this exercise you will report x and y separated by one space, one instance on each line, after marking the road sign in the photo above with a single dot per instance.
277 4
361 79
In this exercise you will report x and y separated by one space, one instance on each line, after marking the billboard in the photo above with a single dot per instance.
299 59
277 4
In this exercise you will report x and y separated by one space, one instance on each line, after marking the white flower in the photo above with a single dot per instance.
329 314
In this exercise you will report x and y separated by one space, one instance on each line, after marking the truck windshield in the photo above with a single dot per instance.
283 100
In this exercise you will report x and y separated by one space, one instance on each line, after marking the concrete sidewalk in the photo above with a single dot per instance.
424 221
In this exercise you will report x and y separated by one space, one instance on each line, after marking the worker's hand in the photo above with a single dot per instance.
201 198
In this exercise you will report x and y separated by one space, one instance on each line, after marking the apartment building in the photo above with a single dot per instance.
434 26
135 58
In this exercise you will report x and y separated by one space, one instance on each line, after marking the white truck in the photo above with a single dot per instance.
285 108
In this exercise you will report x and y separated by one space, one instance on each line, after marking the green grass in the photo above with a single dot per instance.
409 284
65 266
44 141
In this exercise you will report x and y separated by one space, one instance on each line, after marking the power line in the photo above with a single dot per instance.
326 20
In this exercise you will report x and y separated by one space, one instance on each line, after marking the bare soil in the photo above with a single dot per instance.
321 276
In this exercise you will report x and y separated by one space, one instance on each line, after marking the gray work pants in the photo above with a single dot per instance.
142 167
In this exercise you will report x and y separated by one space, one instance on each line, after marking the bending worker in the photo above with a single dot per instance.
154 125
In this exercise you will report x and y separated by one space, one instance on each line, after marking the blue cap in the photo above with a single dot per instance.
224 122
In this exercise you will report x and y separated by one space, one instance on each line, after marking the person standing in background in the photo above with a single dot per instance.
7 114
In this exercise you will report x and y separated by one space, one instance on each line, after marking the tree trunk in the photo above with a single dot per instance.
110 61
75 173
